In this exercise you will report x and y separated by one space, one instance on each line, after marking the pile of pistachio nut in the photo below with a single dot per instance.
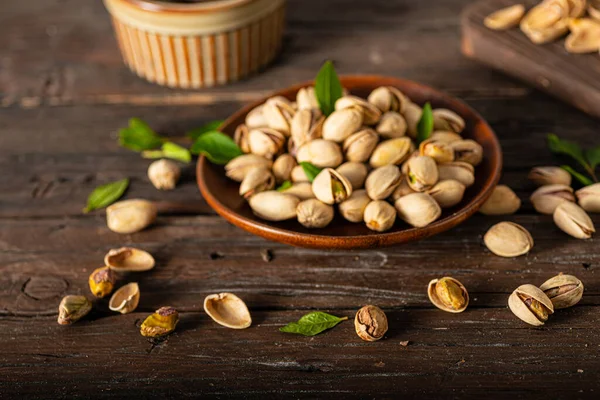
553 19
367 157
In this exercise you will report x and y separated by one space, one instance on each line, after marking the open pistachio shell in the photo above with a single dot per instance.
321 153
359 146
353 209
503 201
467 151
257 180
507 239
382 182
448 294
447 193
126 299
388 98
589 198
313 213
274 206
379 216
447 120
237 168
530 304
331 187
130 216
549 176
505 18
422 173
457 170
391 152
371 114
391 125
228 310
342 123
441 152
129 259
563 290
355 172
573 220
418 209
547 198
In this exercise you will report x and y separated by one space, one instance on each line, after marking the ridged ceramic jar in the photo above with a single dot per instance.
195 45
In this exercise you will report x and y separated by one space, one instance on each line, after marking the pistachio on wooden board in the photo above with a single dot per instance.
228 310
448 294
530 304
72 309
563 290
507 239
162 322
370 323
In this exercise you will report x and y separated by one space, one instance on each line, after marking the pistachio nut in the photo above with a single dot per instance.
447 120
412 114
422 173
371 114
388 98
578 7
379 216
255 118
530 304
298 175
283 166
237 168
162 322
129 259
274 206
355 172
503 201
72 308
331 187
402 190
391 152
448 294
102 281
257 180
441 152
445 136
507 239
594 10
164 174
266 142
547 21
306 99
342 123
302 190
563 290
391 125
447 193
278 112
589 198
359 146
418 209
241 138
467 151
370 323
321 153
573 220
130 216
547 198
584 37
314 214
126 299
382 182
353 209
457 170
307 125
228 310
505 18
412 155
549 176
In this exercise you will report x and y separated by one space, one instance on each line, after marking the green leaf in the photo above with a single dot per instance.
312 324
593 156
284 186
571 149
170 150
217 147
310 170
105 195
139 136
328 88
211 126
425 125
584 180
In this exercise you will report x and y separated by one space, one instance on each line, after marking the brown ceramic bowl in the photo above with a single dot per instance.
222 195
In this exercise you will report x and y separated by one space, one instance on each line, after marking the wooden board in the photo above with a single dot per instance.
574 78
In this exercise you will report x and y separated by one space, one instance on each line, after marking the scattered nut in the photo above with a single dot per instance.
164 174
530 304
370 323
507 239
161 323
72 309
563 290
448 294
503 201
228 310
102 282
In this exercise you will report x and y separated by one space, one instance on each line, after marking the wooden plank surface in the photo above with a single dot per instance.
62 104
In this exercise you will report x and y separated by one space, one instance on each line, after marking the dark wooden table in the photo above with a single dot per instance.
64 94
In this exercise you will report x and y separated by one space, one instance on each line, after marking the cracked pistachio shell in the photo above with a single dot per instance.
279 112
505 18
402 190
162 322
266 142
382 182
302 190
457 170
412 155
255 118
228 310
391 152
418 209
547 198
126 299
507 239
445 136
422 173
355 172
447 193
164 174
573 220
441 152
237 168
298 175
448 294
584 37
72 309
546 22
370 323
342 123
391 125
307 125
467 151
274 206
371 114
503 201
563 290
331 187
306 99
379 216
359 146
283 166
589 198
321 153
130 216
412 114
549 176
447 120
530 305
353 209
388 98
129 259
257 180
313 213
241 138
102 281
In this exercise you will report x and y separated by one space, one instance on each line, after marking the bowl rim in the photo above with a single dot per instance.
200 7
374 240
